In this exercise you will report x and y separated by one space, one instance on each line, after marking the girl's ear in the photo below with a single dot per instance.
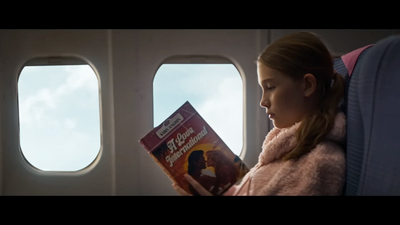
310 84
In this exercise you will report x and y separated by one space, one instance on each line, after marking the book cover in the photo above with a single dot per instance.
185 144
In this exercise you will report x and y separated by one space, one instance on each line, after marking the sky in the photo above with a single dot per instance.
60 118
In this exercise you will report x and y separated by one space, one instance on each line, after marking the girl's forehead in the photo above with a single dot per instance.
267 73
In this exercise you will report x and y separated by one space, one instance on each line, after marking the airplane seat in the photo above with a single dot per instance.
372 108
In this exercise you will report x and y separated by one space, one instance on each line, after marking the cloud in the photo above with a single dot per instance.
36 107
203 79
81 77
224 113
69 123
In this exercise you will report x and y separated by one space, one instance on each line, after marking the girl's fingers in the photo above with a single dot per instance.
200 189
180 190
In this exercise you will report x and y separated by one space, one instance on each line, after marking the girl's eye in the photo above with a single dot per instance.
270 88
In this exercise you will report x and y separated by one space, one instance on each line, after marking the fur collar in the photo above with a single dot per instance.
278 142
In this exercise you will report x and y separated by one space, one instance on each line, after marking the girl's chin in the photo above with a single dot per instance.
278 125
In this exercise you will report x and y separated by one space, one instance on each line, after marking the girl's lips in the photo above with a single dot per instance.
271 116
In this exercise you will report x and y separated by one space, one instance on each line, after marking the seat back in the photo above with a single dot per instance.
372 107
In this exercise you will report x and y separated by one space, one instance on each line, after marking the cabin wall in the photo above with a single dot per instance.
19 46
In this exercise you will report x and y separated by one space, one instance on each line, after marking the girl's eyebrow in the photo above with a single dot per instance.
266 80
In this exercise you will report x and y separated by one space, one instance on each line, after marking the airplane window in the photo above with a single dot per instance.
59 116
214 90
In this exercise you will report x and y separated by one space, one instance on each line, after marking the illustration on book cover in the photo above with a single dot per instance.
185 143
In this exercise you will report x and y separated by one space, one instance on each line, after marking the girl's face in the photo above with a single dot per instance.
282 97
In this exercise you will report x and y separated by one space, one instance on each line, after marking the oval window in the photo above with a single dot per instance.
59 116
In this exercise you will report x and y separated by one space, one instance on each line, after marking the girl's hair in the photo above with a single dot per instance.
295 55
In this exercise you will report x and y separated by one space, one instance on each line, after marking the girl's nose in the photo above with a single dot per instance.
264 103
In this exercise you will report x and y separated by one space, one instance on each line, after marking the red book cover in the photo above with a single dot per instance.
185 144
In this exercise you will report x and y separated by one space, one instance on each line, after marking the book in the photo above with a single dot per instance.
185 143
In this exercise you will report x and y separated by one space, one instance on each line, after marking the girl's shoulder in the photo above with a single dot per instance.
338 132
325 162
330 150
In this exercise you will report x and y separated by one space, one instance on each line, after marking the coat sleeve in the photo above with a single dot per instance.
234 189
231 191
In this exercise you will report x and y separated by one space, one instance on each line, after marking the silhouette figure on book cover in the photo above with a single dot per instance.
225 170
196 166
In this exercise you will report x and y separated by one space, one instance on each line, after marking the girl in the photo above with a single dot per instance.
303 154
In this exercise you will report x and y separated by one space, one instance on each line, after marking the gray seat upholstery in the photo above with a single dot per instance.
372 107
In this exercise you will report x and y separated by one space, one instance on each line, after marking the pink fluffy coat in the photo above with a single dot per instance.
320 172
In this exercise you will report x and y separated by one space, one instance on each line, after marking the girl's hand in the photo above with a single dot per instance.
200 189
180 190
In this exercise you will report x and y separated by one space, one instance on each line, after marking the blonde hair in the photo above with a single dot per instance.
295 55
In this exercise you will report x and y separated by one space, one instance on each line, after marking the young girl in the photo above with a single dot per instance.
303 154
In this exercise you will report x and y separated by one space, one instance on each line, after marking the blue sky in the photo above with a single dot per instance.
59 108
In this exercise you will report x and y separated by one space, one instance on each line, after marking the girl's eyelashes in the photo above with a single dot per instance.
267 87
